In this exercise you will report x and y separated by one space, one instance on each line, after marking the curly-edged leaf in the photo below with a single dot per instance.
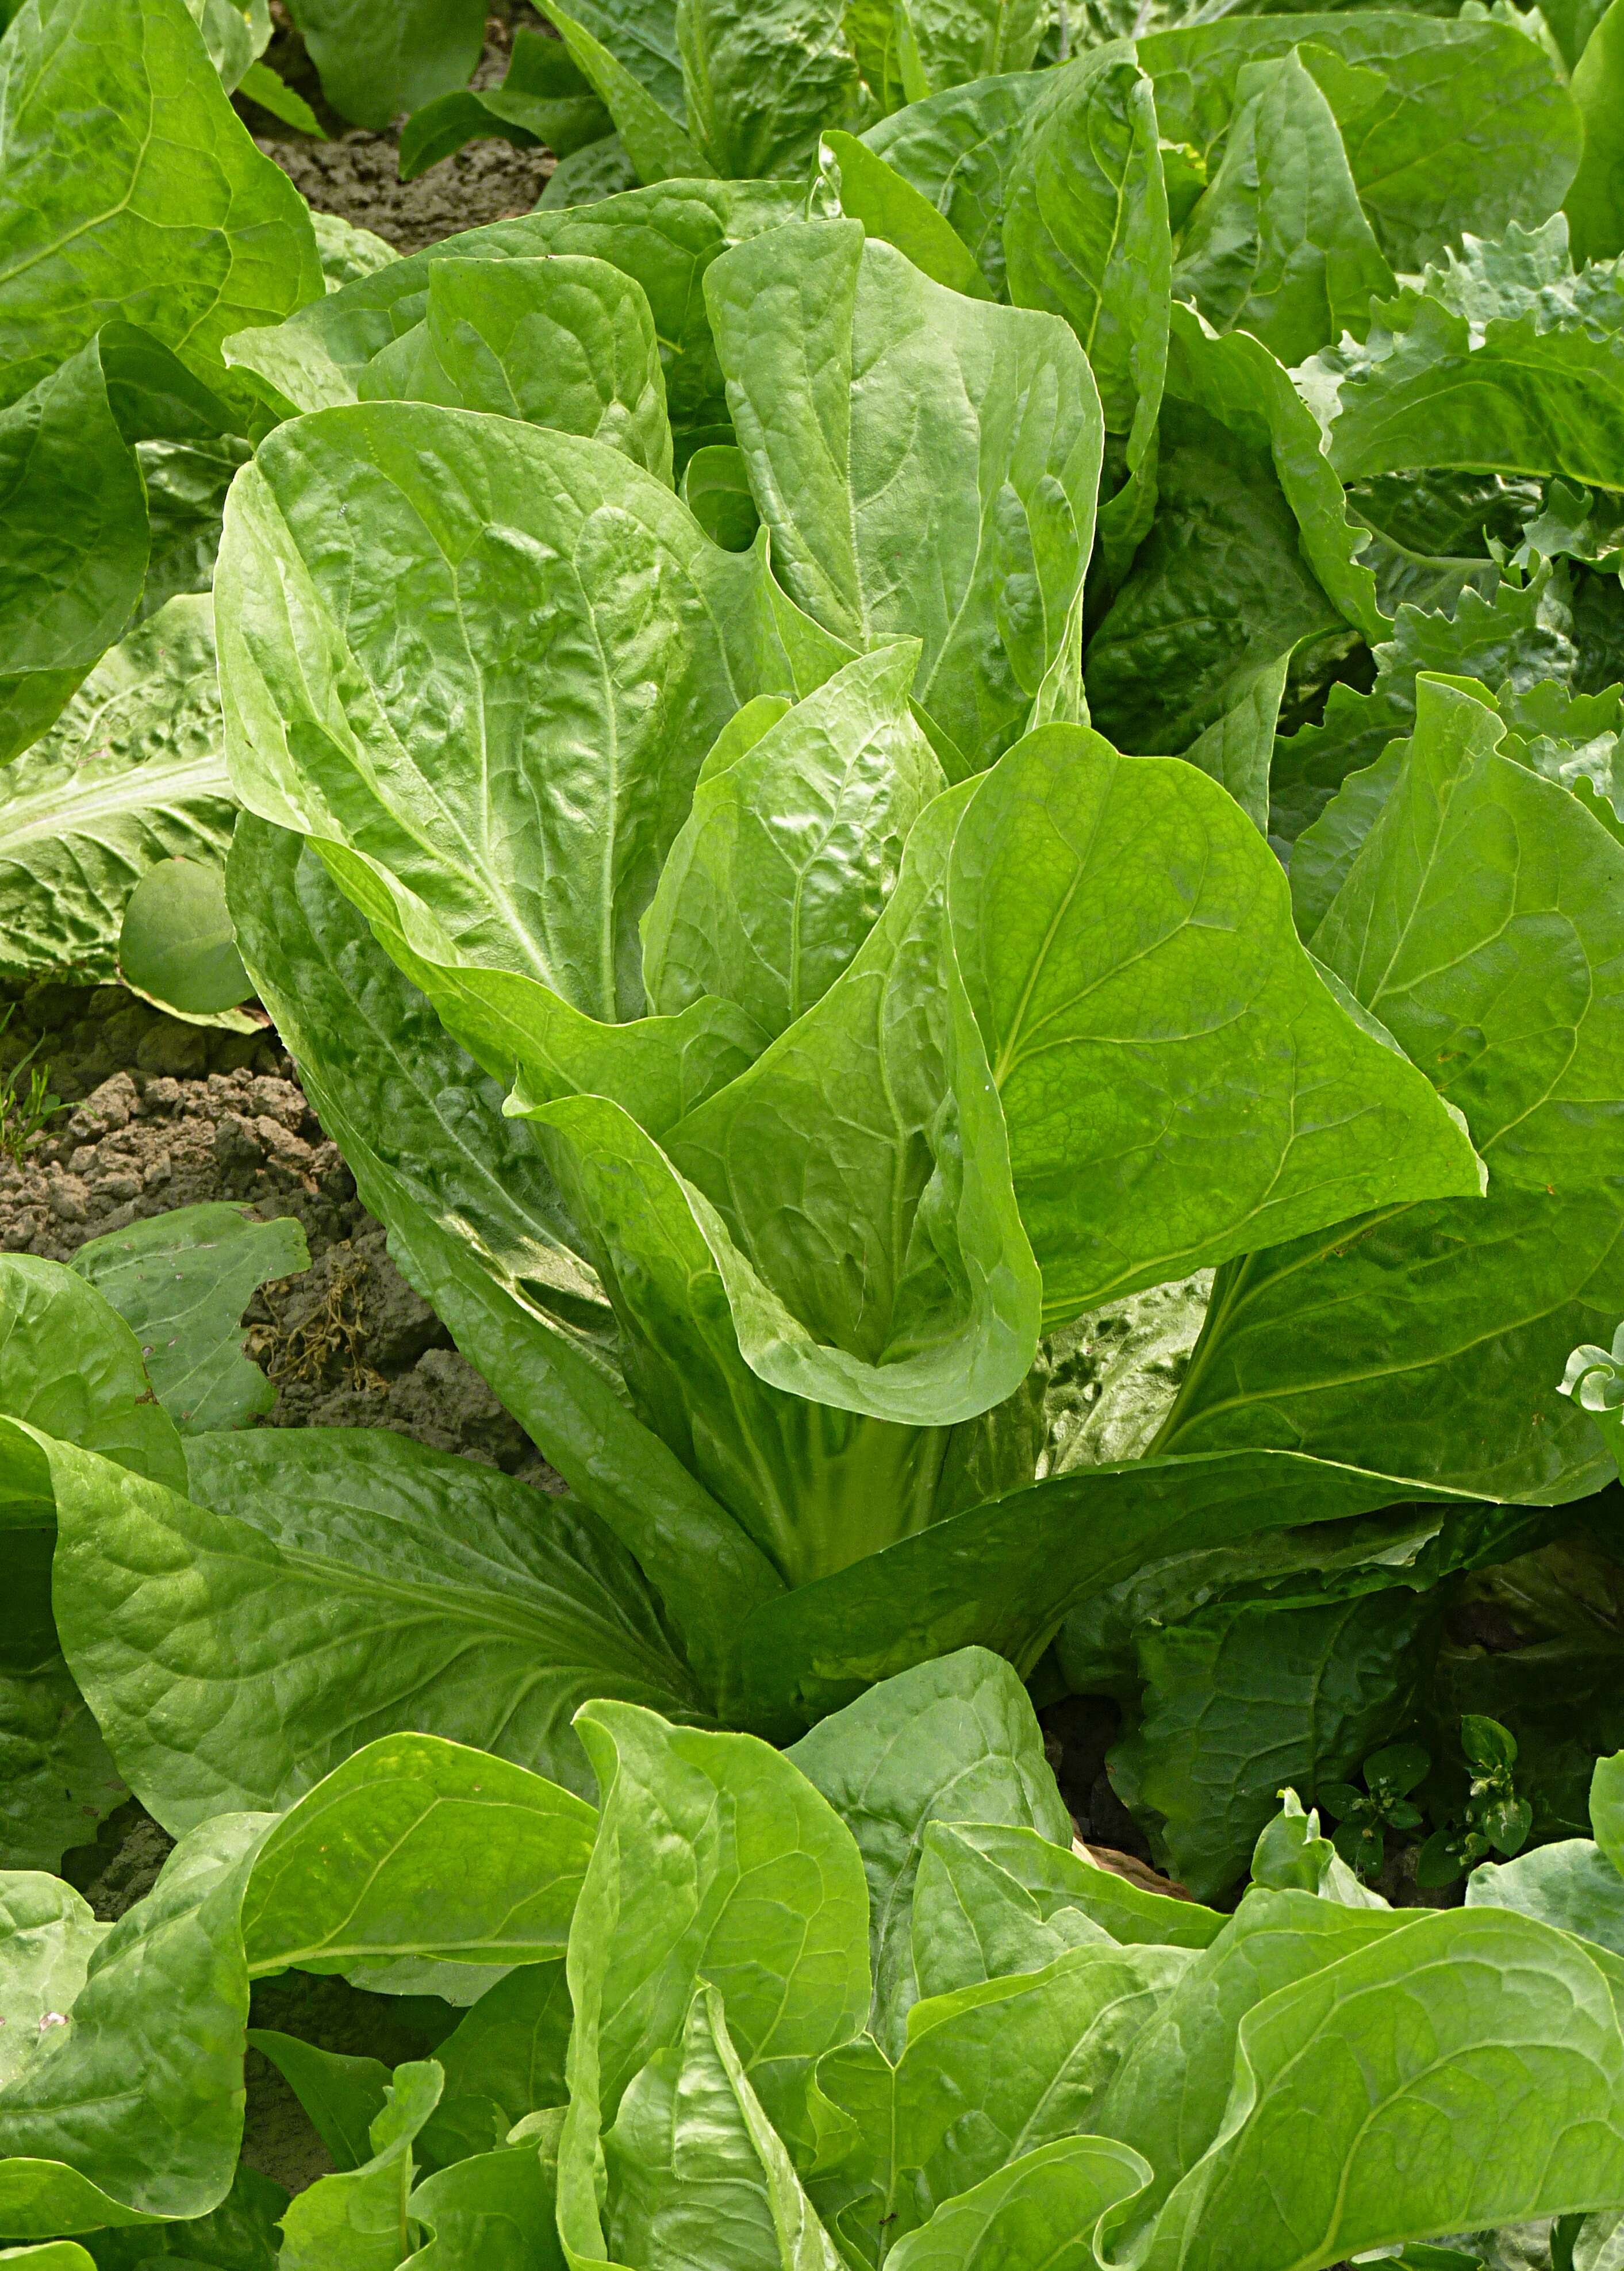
654 138
1497 2103
791 846
1241 1699
1004 1575
1447 125
956 149
1595 203
663 238
956 1740
477 1222
1279 245
77 542
133 190
1508 996
416 1590
375 64
565 341
356 2221
133 772
763 78
696 2172
181 1281
927 463
717 1862
876 194
1038 2213
1312 1117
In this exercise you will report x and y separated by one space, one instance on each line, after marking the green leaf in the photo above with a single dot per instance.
1240 1700
505 2060
1237 749
642 36
716 490
1521 2019
888 206
566 342
348 253
491 2213
1595 203
956 149
654 139
132 770
53 2255
1279 245
261 85
956 1740
977 539
542 98
1056 833
1037 2213
342 2095
432 1592
476 1220
375 65
181 1281
1447 125
77 542
759 1884
791 846
1452 1301
599 171
47 1934
1607 1807
763 78
696 2172
358 2220
176 948
1571 1885
58 1778
133 190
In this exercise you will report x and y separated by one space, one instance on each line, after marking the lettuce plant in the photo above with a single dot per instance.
861 2003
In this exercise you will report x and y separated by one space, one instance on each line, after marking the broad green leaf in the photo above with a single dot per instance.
1237 749
1279 245
1497 2103
342 2095
261 85
642 34
505 2060
48 1936
1086 230
1607 1806
1595 202
1096 1078
763 78
565 341
654 139
1038 2213
973 1921
876 194
375 62
595 173
475 1218
76 543
418 1847
956 149
177 950
663 238
420 1591
1447 125
348 253
1571 1885
792 847
491 2213
1169 2098
954 41
240 2235
1540 392
151 2049
133 190
58 1778
542 98
181 1281
1005 1575
968 524
956 1740
357 2221
72 1369
716 490
1218 589
1240 1700
133 770
696 2172
52 2255
715 1859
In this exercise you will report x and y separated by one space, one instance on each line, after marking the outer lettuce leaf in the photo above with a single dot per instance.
111 109
761 78
375 65
1447 125
494 2212
973 509
1037 2213
955 148
658 146
566 341
476 1220
356 2221
1507 996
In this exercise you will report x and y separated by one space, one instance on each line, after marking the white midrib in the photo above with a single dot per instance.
69 809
